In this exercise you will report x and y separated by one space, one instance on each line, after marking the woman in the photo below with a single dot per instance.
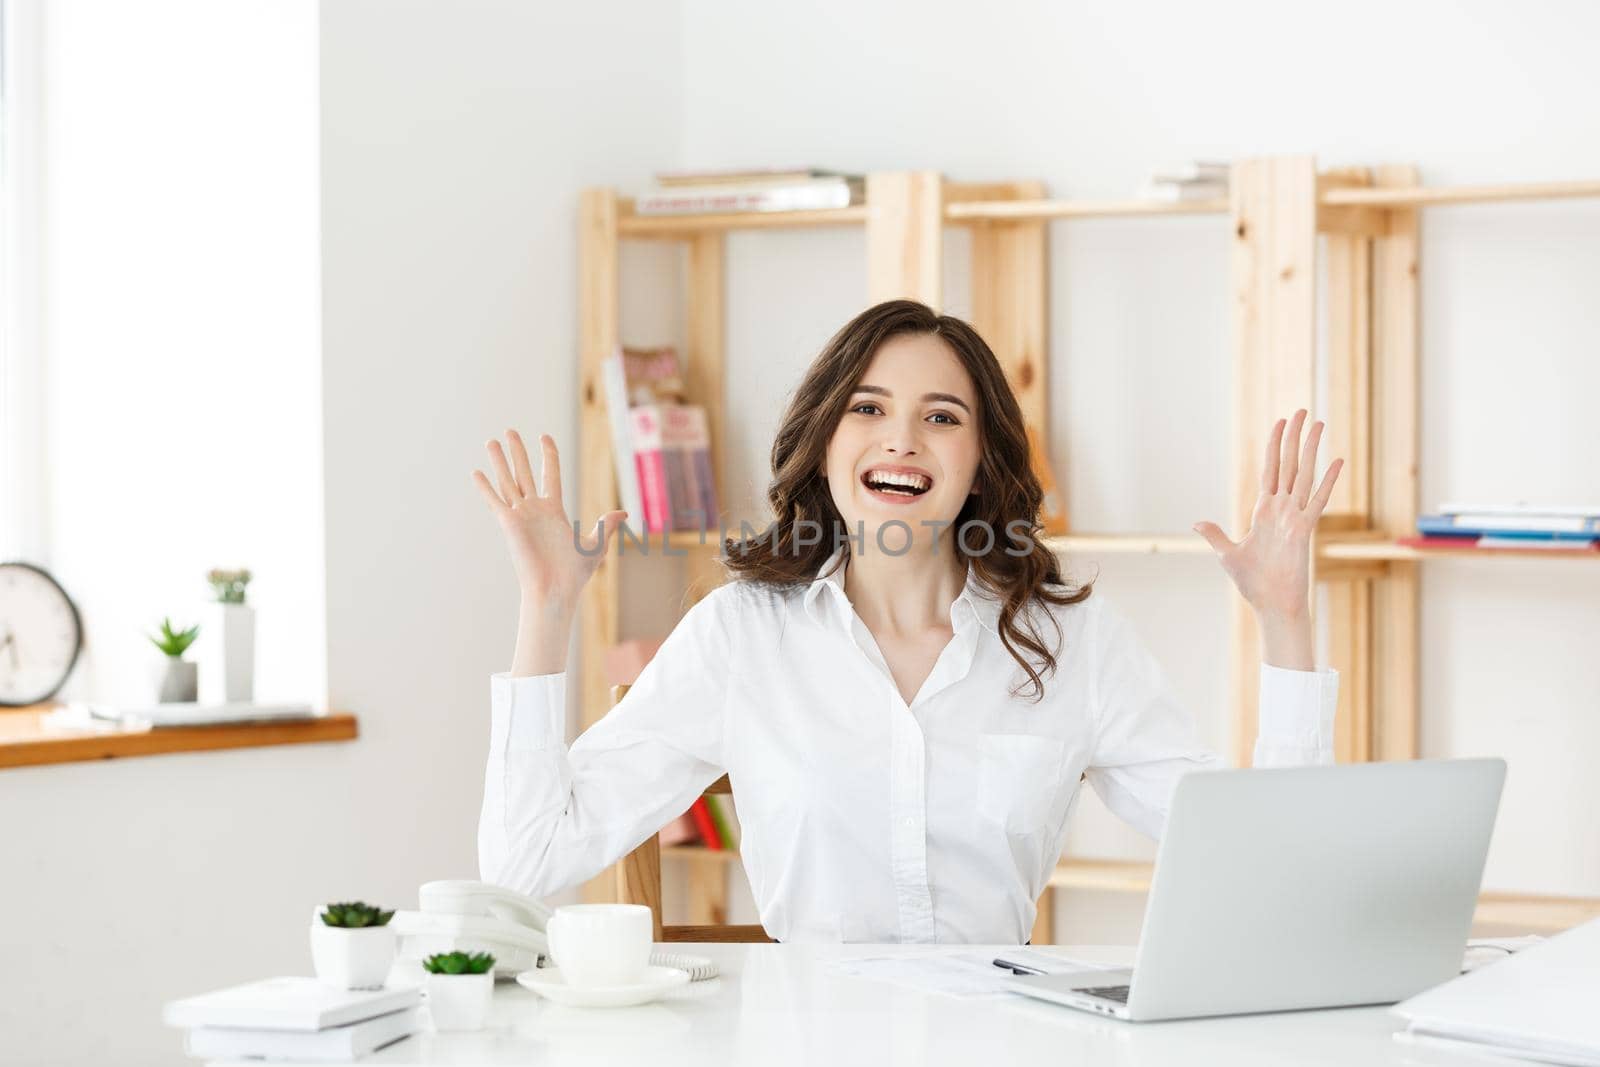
901 686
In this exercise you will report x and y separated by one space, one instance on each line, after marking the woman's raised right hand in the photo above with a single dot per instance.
545 549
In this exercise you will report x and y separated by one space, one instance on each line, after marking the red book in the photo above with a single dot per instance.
706 825
652 467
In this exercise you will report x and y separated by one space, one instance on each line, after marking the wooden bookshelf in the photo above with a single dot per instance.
1524 911
1281 213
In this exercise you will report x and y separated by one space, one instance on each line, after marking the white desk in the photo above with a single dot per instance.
777 1004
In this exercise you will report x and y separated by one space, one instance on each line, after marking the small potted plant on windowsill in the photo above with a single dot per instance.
460 988
176 683
352 945
229 653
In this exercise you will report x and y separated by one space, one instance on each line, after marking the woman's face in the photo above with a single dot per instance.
907 446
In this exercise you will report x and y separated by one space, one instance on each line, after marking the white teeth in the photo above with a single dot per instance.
909 481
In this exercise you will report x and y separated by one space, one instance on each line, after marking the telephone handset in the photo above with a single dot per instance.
458 914
463 897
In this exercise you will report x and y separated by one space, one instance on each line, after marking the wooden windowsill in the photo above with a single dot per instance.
29 739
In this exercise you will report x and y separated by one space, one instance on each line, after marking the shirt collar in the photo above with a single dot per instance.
826 593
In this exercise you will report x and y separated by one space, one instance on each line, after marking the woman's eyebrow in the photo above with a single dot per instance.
948 398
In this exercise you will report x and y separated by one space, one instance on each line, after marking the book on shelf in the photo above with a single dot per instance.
1184 192
288 1003
630 376
336 1044
1492 543
807 194
1567 511
721 807
1555 527
672 459
705 824
748 176
1192 172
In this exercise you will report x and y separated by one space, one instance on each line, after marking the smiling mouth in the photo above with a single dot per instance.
897 484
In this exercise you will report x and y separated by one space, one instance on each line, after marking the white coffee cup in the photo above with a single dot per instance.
601 944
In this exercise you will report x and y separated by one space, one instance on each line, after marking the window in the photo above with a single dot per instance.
21 373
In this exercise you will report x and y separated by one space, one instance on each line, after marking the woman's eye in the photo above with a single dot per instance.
857 409
948 421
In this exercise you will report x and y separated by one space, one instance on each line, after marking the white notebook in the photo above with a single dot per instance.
338 1043
1539 1003
303 1004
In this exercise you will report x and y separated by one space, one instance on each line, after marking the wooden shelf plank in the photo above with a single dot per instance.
1425 196
701 854
1390 550
1036 210
1130 544
631 225
1531 911
27 739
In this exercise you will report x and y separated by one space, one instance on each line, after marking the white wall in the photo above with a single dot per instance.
1091 97
184 169
453 141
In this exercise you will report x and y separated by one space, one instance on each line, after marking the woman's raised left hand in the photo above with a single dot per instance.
1271 565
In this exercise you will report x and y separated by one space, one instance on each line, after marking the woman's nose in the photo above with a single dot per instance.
902 440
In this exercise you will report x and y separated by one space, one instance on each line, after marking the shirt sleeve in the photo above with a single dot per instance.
1145 740
554 817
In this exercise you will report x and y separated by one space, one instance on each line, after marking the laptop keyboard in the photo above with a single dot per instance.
1118 993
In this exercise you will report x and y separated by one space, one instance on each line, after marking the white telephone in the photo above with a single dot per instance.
464 916
457 915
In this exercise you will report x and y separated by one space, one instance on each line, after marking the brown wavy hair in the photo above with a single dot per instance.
1008 489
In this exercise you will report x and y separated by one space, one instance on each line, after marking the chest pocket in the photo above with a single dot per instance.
1019 779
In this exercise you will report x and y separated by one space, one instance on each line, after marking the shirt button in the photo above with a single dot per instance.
908 821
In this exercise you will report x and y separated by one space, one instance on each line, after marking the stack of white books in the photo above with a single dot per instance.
294 1019
760 189
1199 180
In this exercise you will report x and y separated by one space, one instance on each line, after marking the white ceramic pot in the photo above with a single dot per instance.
459 1001
175 681
227 648
357 958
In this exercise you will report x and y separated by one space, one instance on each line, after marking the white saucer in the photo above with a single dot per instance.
549 983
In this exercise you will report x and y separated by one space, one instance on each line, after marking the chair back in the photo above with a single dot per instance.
639 881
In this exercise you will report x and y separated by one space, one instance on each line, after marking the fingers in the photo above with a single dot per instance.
482 482
604 527
1269 470
1214 537
520 464
508 484
552 467
1308 465
1290 464
1325 491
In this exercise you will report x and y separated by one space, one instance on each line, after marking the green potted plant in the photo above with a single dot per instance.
229 654
459 987
352 945
176 681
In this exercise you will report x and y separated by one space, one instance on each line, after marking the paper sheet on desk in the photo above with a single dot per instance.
963 973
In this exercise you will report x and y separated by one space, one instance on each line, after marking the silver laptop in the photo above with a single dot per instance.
1302 887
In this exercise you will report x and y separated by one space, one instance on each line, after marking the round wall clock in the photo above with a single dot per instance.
40 635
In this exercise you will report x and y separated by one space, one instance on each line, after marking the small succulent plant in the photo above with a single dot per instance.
174 642
228 585
458 963
354 914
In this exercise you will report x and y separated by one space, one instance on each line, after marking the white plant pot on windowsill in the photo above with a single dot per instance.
357 958
459 1001
175 681
227 647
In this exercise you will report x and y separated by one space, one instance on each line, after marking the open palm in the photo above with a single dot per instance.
1271 564
551 562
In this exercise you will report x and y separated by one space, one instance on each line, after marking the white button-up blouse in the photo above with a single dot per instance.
862 818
